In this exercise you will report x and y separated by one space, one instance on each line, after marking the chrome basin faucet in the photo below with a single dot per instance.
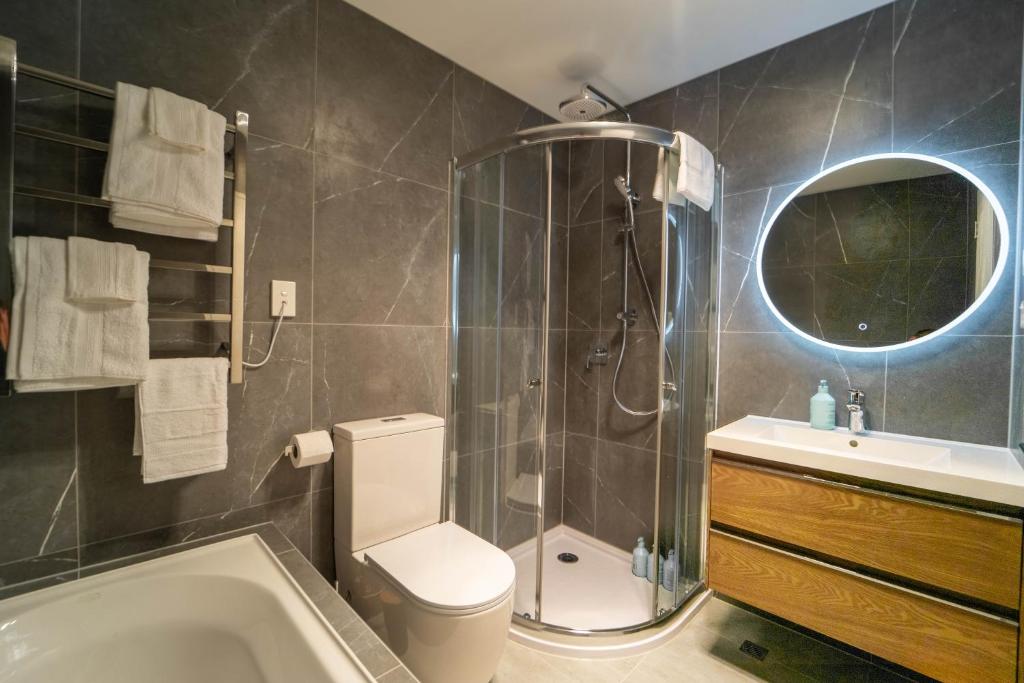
855 407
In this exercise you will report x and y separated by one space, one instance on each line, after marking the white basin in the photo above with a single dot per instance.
845 444
986 473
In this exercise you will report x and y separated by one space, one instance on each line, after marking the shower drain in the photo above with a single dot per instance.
568 558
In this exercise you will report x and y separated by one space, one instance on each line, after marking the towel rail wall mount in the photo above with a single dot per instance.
236 222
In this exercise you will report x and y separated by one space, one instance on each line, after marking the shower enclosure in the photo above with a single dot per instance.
579 401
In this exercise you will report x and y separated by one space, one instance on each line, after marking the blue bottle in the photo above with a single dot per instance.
668 580
823 408
640 558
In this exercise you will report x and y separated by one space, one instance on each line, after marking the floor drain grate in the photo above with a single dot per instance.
568 558
754 650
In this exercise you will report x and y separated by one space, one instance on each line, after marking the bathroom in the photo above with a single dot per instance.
587 365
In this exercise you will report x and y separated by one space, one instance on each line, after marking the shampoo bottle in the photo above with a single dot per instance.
823 408
640 558
668 580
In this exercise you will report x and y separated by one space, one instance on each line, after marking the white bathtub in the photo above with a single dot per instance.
225 613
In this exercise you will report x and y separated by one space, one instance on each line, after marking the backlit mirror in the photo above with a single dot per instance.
882 252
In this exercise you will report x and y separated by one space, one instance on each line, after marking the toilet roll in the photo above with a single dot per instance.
311 448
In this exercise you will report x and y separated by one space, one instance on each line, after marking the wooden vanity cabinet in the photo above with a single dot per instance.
932 586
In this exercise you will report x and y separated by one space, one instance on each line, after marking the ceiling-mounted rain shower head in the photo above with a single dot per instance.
586 106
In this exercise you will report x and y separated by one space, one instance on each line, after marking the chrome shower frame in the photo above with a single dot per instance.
629 133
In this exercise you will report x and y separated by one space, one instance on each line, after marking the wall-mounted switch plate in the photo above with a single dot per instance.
282 292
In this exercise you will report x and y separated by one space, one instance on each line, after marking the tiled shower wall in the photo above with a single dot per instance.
939 77
352 128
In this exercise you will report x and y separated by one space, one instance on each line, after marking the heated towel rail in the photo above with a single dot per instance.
235 173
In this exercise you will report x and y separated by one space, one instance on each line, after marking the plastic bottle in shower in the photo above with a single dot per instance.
668 579
640 558
655 566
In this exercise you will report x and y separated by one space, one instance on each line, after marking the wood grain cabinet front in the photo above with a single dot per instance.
929 635
961 551
932 586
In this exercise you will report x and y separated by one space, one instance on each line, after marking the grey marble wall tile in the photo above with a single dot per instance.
583 303
97 553
113 501
556 381
291 517
322 535
478 240
872 295
956 72
381 244
279 232
561 154
941 215
256 57
581 384
553 479
825 97
522 274
938 292
744 217
264 411
37 475
29 586
774 375
38 567
580 485
484 112
866 223
475 504
586 180
384 101
637 388
368 371
792 241
953 388
625 494
559 293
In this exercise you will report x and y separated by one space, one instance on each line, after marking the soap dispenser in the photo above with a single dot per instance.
823 408
640 558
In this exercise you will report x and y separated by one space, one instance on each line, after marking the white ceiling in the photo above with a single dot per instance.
541 50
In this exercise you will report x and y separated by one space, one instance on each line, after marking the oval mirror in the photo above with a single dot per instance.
882 252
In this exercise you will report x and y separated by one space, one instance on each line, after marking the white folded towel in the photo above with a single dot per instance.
58 345
181 418
177 120
691 173
157 187
102 272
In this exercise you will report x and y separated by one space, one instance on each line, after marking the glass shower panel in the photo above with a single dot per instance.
498 287
692 241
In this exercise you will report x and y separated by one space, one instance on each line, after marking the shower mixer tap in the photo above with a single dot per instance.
629 316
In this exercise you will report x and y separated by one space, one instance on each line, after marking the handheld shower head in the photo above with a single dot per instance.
625 190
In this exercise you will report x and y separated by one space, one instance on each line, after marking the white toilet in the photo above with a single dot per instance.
439 596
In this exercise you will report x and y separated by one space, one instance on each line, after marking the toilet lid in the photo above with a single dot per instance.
446 567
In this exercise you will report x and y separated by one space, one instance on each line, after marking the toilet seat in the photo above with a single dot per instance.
445 568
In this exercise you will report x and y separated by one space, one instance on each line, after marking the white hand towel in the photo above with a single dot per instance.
102 272
691 173
57 345
177 120
160 188
181 418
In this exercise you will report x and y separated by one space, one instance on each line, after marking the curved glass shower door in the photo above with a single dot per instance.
579 403
498 327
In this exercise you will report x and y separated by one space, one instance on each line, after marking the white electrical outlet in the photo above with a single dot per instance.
282 292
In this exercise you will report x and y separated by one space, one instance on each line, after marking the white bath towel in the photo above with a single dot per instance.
58 345
102 272
161 188
181 418
691 173
177 120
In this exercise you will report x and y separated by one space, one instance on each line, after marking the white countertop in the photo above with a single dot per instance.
963 469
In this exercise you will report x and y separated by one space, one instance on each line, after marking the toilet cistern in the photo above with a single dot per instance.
855 407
